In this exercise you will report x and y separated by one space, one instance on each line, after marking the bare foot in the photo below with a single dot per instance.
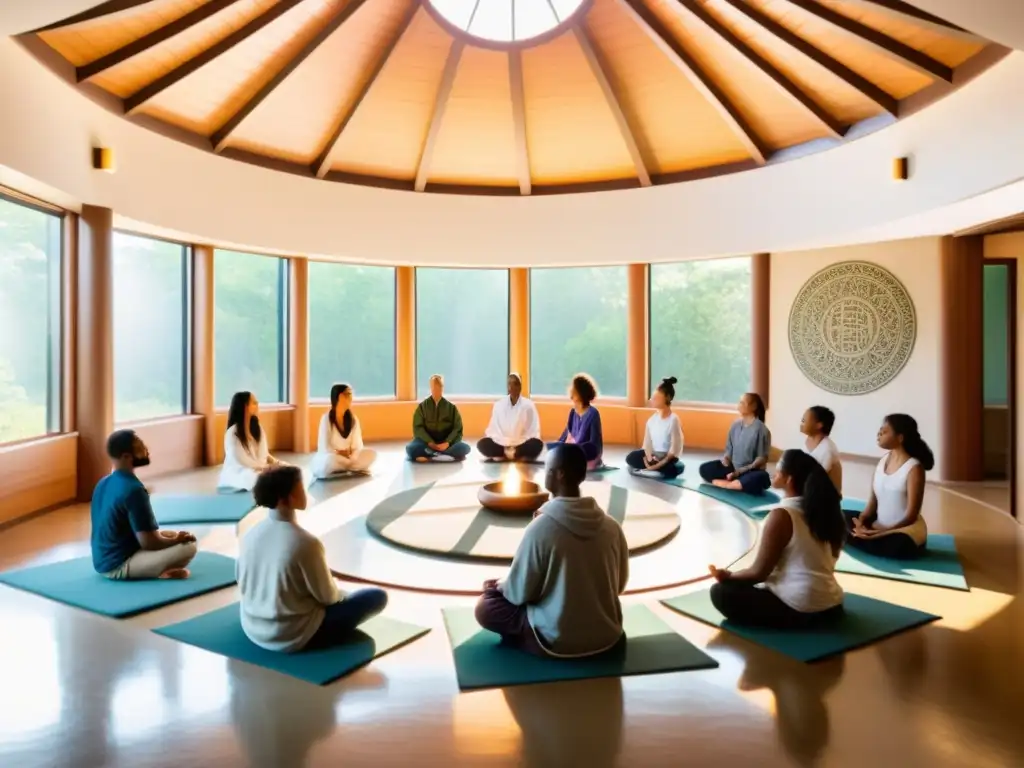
176 573
720 483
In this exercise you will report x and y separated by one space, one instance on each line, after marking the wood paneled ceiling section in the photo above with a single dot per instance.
626 93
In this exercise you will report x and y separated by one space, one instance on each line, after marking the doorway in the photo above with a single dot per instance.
999 428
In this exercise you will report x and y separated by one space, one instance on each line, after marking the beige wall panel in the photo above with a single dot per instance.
91 40
38 474
139 71
207 99
386 135
571 134
296 120
476 141
677 129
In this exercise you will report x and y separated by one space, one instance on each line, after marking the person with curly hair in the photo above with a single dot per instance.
583 427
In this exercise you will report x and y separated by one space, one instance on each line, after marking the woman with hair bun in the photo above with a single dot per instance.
584 425
891 524
663 438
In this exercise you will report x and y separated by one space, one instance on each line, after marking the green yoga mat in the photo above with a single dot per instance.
221 632
866 621
854 505
756 507
74 582
200 510
482 661
939 566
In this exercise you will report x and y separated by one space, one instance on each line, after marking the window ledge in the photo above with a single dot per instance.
32 442
157 420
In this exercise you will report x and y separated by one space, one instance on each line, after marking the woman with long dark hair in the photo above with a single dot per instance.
796 560
246 452
742 467
891 524
583 428
339 445
663 438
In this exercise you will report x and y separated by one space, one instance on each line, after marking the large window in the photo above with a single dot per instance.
151 328
30 319
701 328
351 329
250 326
462 329
578 323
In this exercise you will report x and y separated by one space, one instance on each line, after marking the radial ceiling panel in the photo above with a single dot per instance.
529 97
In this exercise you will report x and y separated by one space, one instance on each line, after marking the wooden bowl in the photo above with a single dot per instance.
529 499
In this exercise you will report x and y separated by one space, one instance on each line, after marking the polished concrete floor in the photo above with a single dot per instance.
82 691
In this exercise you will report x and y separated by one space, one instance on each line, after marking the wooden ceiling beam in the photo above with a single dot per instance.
885 100
179 73
515 80
154 38
882 43
693 72
444 90
97 12
600 70
898 9
340 16
323 162
835 128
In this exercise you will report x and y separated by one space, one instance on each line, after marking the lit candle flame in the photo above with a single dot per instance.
512 483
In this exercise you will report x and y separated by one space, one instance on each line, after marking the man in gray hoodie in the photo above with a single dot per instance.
561 596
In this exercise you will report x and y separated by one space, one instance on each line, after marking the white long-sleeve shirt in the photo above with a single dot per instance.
241 466
330 440
512 425
663 437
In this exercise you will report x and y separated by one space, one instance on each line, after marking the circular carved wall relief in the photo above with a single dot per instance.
852 328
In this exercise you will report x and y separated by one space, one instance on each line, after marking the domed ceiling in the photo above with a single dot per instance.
511 96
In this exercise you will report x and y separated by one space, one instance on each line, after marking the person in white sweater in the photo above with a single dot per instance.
513 433
663 438
339 445
246 453
290 600
817 424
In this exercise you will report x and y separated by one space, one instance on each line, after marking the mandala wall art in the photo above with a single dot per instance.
852 328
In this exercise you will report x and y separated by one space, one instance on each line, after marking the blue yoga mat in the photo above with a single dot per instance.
221 632
854 505
74 582
201 510
939 566
866 621
756 507
483 661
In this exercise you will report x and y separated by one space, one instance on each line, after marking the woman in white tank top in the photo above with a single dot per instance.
891 524
792 583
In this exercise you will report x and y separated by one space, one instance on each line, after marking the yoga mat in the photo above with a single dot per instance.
221 632
756 507
939 566
219 508
540 463
854 505
866 621
482 661
74 582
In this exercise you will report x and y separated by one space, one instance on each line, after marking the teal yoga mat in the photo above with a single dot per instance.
854 505
482 661
201 510
221 632
756 507
866 621
939 566
74 582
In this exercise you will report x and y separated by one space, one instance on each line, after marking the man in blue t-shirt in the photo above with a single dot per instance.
127 543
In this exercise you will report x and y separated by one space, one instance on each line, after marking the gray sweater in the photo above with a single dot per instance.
569 570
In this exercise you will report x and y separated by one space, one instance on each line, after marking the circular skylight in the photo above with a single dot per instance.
506 21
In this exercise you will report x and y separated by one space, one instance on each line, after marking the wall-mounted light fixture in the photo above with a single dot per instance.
103 159
901 168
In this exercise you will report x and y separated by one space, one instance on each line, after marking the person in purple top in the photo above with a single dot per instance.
584 425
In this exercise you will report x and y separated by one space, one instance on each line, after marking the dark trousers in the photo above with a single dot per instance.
589 449
635 460
743 603
755 482
343 617
418 449
496 614
895 546
527 451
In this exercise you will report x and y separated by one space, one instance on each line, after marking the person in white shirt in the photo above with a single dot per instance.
246 452
290 600
339 445
796 561
817 424
513 433
663 438
891 524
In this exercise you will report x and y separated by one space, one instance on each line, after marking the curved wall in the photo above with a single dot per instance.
966 144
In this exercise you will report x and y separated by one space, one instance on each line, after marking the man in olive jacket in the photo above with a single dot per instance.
436 428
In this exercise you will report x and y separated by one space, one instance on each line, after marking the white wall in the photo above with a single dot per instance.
915 390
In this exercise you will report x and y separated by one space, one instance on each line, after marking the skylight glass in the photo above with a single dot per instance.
506 21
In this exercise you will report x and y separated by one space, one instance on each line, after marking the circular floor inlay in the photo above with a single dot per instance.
448 520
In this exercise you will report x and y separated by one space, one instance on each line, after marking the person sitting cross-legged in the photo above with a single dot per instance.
246 450
561 595
437 428
513 433
126 541
339 444
742 467
817 424
663 438
583 427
